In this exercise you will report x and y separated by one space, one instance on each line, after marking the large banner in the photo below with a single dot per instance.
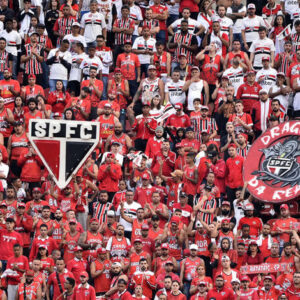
272 166
265 268
63 146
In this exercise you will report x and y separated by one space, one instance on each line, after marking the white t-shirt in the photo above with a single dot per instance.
109 243
135 15
192 25
141 44
225 23
106 8
88 62
73 40
269 76
236 77
290 5
13 39
251 26
284 99
129 211
57 70
4 168
93 23
195 91
296 103
75 73
106 59
173 9
176 95
237 25
261 48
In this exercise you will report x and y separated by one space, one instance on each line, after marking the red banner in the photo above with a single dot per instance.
264 268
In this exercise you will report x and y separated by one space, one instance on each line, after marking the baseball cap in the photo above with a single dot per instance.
271 277
164 246
76 24
94 220
245 278
250 72
235 280
21 204
263 91
226 203
43 246
284 206
128 42
249 206
151 67
30 273
31 76
78 248
101 251
182 55
183 194
107 105
265 58
146 176
253 242
212 154
195 68
117 70
280 74
84 274
225 77
232 145
145 226
251 5
178 106
110 213
137 240
36 189
179 145
189 129
204 107
225 221
34 32
225 257
57 114
194 247
175 219
147 103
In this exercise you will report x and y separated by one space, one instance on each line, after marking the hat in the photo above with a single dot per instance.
189 129
284 206
179 145
159 128
249 206
204 107
137 240
128 42
84 274
7 69
164 246
57 114
271 277
43 246
215 18
146 176
78 248
198 224
226 203
117 70
101 251
253 242
195 68
225 77
107 105
116 264
245 278
72 221
17 123
115 143
151 67
225 257
175 219
39 25
30 273
251 5
94 220
110 213
183 194
186 252
145 227
238 55
177 173
202 283
178 106
36 189
219 275
34 32
265 58
76 24
182 55
263 91
280 74
3 203
225 221
169 262
232 145
250 72
194 247
21 204
147 103
235 280
31 76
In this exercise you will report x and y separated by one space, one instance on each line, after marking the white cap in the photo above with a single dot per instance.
194 247
251 5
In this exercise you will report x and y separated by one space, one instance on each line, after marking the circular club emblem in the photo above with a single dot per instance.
272 167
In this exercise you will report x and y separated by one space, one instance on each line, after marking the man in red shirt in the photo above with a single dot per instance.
84 290
282 226
154 144
57 279
248 92
160 13
254 222
19 264
130 66
233 175
219 292
32 89
145 278
77 265
294 70
8 238
268 291
293 292
143 193
178 120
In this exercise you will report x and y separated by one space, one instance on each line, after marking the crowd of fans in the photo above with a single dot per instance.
181 90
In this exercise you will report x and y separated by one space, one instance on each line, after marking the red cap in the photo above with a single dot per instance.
31 76
265 58
204 107
271 277
7 69
21 204
178 106
245 278
164 246
101 251
145 226
84 274
284 206
225 221
226 203
146 176
57 114
249 206
137 240
147 103
175 219
253 242
219 275
94 220
78 248
30 273
179 145
186 252
117 70
232 145
107 105
36 189
244 135
238 55
250 72
3 203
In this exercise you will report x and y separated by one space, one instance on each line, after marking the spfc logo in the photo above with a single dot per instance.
272 166
63 146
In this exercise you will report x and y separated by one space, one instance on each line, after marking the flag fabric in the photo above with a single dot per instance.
285 32
167 112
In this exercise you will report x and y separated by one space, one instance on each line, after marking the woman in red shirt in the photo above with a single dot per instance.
200 277
59 98
253 255
176 294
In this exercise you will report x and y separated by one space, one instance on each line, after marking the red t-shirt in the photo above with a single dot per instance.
7 242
